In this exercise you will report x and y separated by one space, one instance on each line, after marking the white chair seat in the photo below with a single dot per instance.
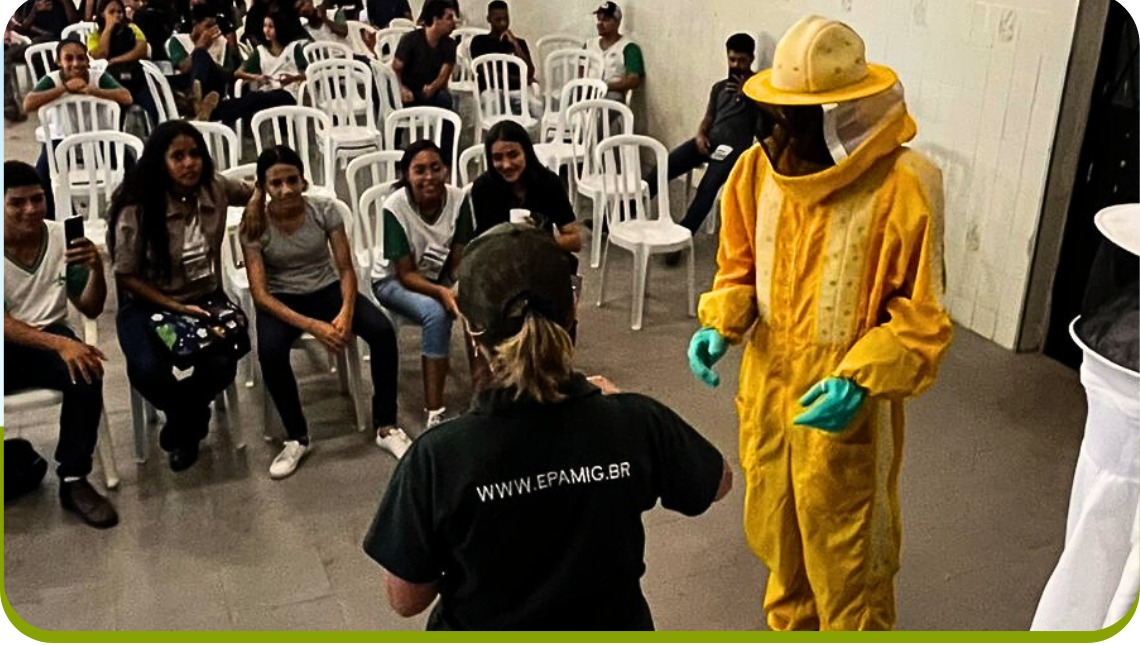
345 136
527 122
31 399
560 150
660 236
591 185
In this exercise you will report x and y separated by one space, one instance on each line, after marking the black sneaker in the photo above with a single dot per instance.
81 498
183 458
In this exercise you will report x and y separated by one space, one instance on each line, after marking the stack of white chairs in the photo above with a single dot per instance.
67 116
342 88
388 89
497 101
626 207
557 146
553 42
91 165
560 67
305 130
407 125
357 38
320 50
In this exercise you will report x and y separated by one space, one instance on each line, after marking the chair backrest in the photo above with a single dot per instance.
473 154
424 122
75 115
325 49
92 166
388 89
359 33
368 244
368 170
463 36
618 159
82 29
342 88
304 129
552 42
221 141
494 72
386 42
160 89
564 65
403 23
573 92
588 123
40 58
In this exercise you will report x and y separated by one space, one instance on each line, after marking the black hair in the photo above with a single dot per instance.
434 10
512 132
405 164
287 25
147 186
73 39
18 174
101 8
742 43
497 5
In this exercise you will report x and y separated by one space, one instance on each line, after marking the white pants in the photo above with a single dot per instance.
1098 574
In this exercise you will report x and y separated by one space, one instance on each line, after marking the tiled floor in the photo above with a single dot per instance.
989 458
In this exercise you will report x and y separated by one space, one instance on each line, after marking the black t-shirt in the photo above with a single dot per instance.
529 516
422 62
492 200
736 119
53 22
381 12
491 44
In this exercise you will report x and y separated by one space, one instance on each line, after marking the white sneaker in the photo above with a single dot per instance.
288 460
435 417
395 442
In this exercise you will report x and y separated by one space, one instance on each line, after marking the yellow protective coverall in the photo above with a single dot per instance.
837 273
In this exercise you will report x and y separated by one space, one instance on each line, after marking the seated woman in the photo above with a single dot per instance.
297 288
122 44
534 519
277 68
517 179
168 219
426 224
205 60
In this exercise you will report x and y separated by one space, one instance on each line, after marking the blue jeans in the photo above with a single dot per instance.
426 311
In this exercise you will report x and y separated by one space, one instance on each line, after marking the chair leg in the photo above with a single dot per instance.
234 416
106 452
139 423
605 264
640 271
596 234
692 280
356 386
342 369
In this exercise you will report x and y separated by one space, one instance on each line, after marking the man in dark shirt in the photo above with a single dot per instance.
502 40
731 123
381 12
425 57
44 20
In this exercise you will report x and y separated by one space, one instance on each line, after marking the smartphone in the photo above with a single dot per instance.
73 229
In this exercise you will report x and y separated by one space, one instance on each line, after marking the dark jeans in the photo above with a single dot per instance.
275 338
151 372
29 367
684 158
215 79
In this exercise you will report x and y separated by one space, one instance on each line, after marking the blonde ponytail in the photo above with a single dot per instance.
535 362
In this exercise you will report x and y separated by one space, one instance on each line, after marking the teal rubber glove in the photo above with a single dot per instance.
705 349
842 399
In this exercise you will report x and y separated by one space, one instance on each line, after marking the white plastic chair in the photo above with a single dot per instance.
369 170
561 67
221 142
83 29
326 49
160 91
402 23
462 78
388 89
553 42
38 399
497 101
356 38
626 209
588 122
368 239
476 155
425 122
343 89
386 42
306 131
144 415
40 59
556 148
91 166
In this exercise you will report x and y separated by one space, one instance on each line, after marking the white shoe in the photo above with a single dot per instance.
288 460
435 417
396 442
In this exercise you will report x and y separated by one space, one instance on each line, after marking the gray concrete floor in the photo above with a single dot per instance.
989 459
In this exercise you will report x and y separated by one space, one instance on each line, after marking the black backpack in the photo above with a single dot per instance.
24 468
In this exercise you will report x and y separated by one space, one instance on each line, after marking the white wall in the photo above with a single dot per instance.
983 80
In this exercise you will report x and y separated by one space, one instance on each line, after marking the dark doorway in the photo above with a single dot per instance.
1107 174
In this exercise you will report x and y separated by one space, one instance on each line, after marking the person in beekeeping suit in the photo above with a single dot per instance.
830 273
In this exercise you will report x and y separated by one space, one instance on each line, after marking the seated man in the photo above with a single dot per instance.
502 40
41 273
320 28
382 12
623 66
425 57
731 122
74 77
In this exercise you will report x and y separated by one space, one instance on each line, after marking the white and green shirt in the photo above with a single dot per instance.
429 245
37 294
290 61
96 78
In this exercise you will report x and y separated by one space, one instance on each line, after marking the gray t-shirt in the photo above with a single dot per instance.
300 262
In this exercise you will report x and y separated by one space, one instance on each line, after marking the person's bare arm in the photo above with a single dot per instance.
121 95
441 81
104 46
409 598
33 101
625 83
569 237
346 269
413 281
91 300
398 69
725 483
